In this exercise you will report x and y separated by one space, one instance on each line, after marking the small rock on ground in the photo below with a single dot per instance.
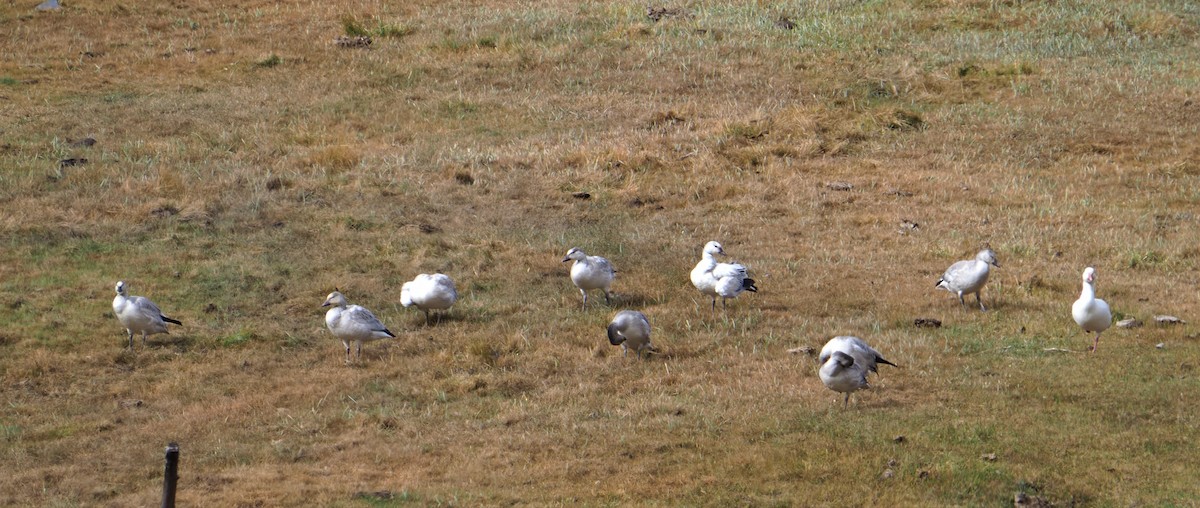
1129 323
1168 320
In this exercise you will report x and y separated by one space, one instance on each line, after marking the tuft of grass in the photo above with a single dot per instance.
239 338
10 432
746 131
270 61
388 499
458 109
338 158
906 120
352 27
356 224
1145 260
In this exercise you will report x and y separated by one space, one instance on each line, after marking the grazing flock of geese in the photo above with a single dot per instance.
845 360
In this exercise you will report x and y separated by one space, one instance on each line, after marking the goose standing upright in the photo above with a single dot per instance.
969 276
590 272
1090 312
845 362
714 279
351 323
429 292
631 330
139 315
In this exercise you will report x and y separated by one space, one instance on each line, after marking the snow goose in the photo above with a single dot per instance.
429 292
845 362
969 276
631 330
1090 312
351 323
714 279
590 272
139 315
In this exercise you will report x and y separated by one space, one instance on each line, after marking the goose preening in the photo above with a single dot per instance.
845 362
969 276
351 323
139 315
714 279
1090 312
631 330
590 272
429 292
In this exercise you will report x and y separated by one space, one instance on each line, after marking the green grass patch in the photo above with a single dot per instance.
10 432
270 61
458 109
242 336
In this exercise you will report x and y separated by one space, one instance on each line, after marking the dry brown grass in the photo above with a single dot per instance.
246 164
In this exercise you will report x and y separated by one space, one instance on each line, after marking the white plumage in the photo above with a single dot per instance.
591 272
139 315
845 362
351 323
714 279
631 330
969 276
1090 312
429 292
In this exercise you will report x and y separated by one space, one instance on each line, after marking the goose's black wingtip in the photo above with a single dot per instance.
169 320
748 285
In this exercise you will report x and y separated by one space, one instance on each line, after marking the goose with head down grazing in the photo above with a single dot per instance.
351 323
139 315
969 276
429 292
845 362
631 330
1091 313
591 272
713 279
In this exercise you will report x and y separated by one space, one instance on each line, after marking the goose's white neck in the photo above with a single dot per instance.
1089 292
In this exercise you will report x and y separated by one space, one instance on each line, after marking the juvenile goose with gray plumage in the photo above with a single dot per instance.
591 272
351 323
845 361
969 276
139 315
631 330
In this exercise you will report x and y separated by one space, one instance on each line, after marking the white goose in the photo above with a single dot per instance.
714 279
351 323
429 292
1090 312
590 272
139 315
631 330
969 276
845 362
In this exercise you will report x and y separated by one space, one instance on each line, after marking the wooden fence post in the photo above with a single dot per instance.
170 475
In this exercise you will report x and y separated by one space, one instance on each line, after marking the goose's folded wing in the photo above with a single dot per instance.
729 270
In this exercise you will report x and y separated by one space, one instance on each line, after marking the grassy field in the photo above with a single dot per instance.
245 165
